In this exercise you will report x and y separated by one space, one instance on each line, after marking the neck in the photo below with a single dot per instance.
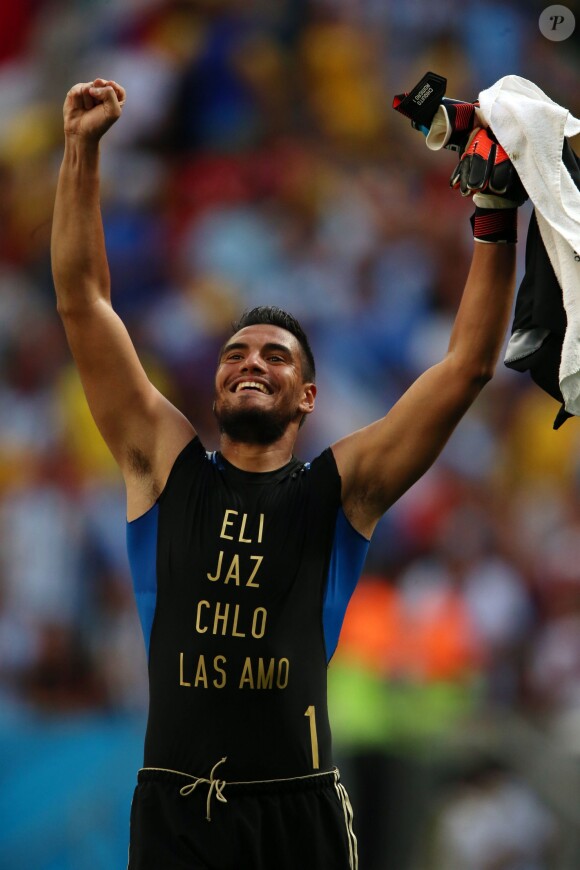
257 457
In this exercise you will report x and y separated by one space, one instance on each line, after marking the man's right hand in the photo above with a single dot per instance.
486 171
90 108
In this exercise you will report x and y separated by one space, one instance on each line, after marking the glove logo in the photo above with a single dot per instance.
423 94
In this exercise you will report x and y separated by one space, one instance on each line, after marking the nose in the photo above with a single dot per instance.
253 362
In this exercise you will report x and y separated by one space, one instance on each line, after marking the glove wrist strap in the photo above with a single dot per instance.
496 225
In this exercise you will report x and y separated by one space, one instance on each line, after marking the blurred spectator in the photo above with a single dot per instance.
492 821
62 680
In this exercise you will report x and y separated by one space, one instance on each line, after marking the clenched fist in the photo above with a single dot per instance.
90 108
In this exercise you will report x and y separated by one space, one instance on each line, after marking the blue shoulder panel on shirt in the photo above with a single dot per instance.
142 550
349 551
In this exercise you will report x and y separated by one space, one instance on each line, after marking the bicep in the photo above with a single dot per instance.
130 413
379 463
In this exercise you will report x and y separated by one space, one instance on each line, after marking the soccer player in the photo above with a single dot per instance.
244 559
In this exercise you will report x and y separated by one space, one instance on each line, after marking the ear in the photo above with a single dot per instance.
306 406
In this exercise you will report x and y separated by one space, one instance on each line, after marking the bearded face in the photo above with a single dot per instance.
253 425
260 391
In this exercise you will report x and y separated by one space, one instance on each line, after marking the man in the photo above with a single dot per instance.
244 559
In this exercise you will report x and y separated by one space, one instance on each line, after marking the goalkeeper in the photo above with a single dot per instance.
238 769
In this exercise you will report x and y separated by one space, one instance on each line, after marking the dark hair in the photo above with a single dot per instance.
274 316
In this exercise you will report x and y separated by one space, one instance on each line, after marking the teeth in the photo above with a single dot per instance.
246 384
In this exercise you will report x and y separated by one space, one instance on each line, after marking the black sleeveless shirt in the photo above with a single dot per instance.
242 580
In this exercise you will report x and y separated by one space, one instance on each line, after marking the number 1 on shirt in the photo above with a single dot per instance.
311 713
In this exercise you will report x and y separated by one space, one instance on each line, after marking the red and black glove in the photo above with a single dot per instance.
452 125
486 171
446 123
485 168
421 103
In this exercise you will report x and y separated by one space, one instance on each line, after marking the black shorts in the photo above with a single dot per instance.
291 824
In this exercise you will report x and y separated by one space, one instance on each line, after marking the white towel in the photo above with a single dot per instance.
531 127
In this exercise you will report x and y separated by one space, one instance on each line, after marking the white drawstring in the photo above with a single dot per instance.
216 787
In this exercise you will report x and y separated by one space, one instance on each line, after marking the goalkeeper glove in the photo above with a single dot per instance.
486 171
445 122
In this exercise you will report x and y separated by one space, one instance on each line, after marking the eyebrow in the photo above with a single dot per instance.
269 346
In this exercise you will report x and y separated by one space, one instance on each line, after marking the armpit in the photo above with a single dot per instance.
138 462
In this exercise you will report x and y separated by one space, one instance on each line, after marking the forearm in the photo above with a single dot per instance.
79 260
484 312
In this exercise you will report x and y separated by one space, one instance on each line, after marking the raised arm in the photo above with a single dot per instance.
379 463
141 428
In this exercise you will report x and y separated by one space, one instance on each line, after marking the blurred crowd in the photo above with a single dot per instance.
258 161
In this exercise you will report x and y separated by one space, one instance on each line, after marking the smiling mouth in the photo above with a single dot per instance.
252 385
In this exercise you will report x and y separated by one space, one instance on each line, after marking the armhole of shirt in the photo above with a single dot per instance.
142 551
192 447
347 558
